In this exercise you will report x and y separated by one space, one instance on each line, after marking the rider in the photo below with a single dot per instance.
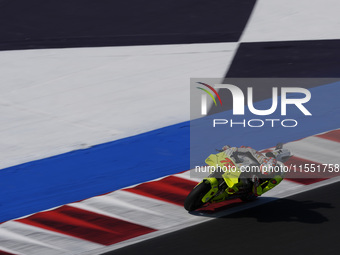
264 178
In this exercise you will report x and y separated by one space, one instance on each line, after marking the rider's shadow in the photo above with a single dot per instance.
286 210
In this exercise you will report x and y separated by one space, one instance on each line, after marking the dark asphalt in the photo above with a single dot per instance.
290 59
88 23
307 223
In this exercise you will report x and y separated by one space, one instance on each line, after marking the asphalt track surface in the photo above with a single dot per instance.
306 223
87 23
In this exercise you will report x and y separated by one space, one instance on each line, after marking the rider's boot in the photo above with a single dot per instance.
257 189
272 183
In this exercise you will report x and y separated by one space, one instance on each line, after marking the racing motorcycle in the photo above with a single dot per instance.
227 180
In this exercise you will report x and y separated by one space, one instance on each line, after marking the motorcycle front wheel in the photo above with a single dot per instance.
194 199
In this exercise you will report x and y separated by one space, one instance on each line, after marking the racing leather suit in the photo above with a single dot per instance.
264 178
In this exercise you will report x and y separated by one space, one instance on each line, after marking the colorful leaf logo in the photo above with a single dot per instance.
209 93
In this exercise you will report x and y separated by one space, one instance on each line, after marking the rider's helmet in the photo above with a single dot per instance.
226 147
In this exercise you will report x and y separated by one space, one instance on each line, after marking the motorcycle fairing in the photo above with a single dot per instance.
231 171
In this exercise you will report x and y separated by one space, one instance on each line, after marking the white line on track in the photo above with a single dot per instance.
316 149
35 240
137 209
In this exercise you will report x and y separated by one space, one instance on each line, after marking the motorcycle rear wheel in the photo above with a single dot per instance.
194 199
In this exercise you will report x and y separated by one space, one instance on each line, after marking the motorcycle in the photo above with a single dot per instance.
227 181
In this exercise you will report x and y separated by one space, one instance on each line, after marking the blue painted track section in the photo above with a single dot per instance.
81 174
